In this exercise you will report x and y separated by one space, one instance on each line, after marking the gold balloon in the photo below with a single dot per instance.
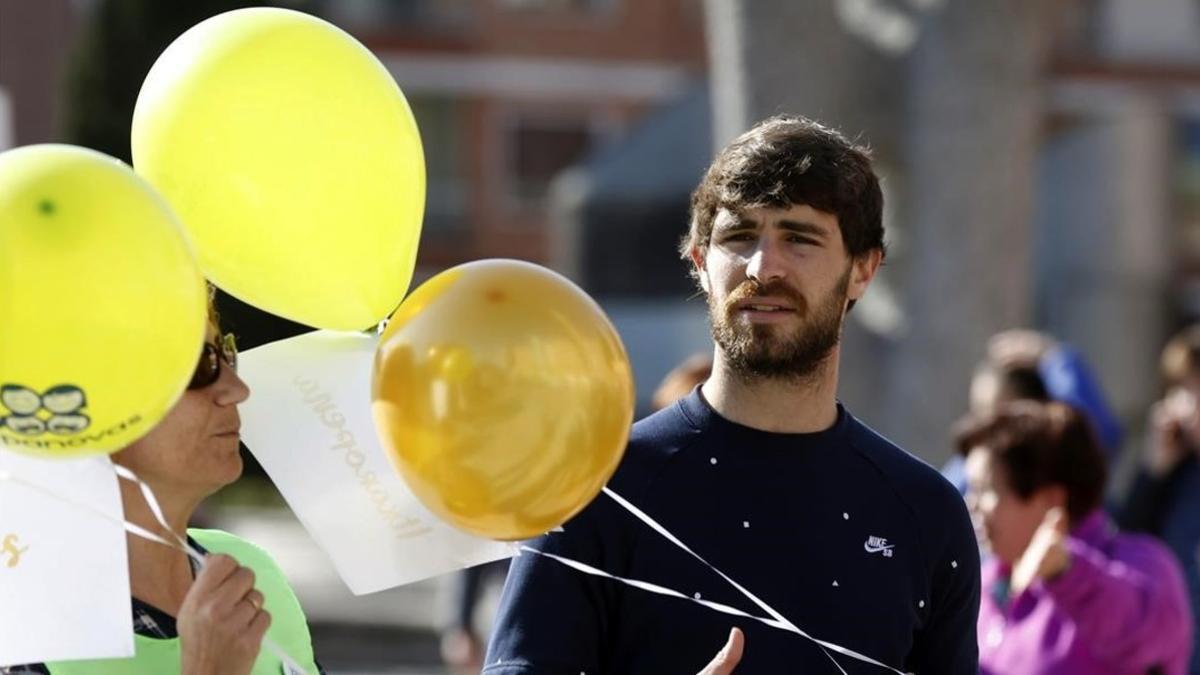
503 396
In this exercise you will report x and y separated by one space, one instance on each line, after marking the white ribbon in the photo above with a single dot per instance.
777 621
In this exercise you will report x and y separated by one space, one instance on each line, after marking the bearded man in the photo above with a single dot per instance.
761 471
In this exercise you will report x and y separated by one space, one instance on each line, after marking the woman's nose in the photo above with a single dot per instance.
231 389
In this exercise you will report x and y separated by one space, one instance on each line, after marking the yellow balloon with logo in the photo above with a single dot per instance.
293 160
503 396
102 305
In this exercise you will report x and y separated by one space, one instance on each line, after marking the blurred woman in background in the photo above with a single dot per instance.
1063 592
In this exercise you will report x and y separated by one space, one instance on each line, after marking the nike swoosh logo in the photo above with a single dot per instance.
876 549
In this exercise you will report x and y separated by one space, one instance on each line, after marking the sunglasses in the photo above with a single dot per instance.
209 367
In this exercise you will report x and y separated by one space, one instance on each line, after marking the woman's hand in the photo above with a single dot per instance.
221 622
1047 556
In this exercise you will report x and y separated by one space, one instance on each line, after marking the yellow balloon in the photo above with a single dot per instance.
102 305
293 160
503 396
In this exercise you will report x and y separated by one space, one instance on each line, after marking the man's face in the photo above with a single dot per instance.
778 281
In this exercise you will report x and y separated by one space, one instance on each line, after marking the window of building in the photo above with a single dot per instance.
442 126
539 150
559 5
1186 193
436 15
7 125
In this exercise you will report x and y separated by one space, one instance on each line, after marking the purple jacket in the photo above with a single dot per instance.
1121 607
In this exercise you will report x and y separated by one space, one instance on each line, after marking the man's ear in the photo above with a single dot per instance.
698 267
863 269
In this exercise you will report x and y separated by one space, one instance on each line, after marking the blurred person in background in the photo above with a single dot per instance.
683 378
1063 592
188 618
1027 365
1164 499
461 646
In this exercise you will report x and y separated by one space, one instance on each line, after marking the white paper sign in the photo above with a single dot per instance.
308 422
64 575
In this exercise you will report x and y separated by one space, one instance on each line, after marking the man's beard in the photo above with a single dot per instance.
762 350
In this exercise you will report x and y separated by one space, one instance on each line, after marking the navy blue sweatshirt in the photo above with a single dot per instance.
850 538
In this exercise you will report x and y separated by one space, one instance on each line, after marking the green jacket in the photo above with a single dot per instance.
289 628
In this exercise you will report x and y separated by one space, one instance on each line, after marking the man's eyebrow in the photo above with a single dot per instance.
804 227
735 223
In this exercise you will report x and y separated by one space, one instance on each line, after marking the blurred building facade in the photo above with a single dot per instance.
35 42
508 93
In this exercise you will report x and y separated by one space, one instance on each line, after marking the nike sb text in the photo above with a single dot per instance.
877 545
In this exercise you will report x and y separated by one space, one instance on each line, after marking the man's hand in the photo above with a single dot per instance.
1047 556
729 656
221 622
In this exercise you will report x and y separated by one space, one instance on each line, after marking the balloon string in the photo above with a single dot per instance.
642 516
660 590
776 621
822 644
176 542
180 542
186 547
671 593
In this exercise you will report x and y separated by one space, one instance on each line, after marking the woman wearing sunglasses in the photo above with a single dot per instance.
191 619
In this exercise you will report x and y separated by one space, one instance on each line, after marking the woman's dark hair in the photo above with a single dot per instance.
1018 381
1040 445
